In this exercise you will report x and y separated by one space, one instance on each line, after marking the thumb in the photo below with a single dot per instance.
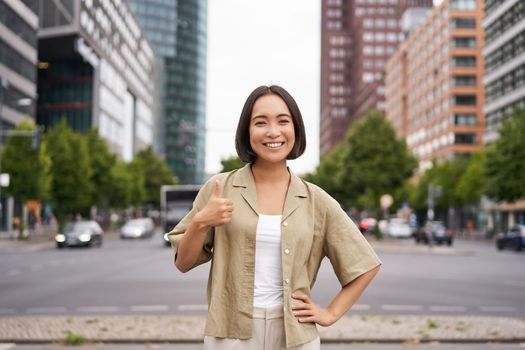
217 191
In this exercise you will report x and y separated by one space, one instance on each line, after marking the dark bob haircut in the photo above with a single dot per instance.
242 136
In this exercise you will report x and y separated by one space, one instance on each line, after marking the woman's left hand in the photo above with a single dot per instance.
308 312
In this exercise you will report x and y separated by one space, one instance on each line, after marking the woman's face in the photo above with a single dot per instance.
272 134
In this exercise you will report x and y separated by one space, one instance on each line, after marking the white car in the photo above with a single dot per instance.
398 228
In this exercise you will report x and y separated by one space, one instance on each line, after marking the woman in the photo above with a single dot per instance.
266 232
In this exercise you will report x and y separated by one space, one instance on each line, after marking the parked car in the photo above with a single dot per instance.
80 233
367 224
434 232
138 228
398 228
513 238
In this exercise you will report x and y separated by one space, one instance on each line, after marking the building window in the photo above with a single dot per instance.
465 119
505 22
463 23
465 100
465 42
464 80
464 5
464 61
465 139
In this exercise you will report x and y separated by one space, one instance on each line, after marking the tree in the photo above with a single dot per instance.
472 184
231 163
71 186
505 168
122 188
155 173
101 162
327 172
28 168
137 189
375 161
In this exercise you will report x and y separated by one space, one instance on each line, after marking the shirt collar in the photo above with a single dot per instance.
243 178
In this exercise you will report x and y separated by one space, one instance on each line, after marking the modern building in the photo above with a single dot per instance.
177 30
18 61
434 90
18 76
504 52
95 69
357 37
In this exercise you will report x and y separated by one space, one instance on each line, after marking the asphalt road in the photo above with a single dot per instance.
138 277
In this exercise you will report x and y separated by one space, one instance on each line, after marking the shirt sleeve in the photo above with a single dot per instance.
348 250
177 233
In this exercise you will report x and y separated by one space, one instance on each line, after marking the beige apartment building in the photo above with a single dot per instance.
434 84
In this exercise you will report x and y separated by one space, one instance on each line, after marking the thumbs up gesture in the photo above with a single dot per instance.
218 211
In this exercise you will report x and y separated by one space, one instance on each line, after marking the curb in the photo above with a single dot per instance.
189 329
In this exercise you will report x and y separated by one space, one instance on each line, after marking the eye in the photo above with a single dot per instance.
284 121
259 123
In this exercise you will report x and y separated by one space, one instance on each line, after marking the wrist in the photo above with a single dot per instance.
200 222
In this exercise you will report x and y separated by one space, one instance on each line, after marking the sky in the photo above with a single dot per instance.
261 42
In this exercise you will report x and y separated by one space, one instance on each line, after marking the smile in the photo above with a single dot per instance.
274 144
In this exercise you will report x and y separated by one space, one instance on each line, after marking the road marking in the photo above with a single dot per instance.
358 307
97 309
202 307
498 309
7 311
402 307
7 346
13 272
42 310
448 308
149 308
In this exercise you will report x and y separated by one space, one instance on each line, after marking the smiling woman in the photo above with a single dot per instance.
267 232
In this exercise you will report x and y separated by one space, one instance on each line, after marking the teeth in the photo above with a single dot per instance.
274 145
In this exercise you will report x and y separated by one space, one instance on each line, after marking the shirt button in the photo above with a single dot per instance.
285 223
287 251
287 281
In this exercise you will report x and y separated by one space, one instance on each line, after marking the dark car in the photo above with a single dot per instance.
434 232
137 228
80 233
512 239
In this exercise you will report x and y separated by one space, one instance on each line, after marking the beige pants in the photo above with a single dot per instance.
268 334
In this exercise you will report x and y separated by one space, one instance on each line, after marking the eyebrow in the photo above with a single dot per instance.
278 116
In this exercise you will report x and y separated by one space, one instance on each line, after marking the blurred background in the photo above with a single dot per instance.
114 112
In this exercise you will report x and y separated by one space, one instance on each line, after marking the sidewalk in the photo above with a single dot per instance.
178 329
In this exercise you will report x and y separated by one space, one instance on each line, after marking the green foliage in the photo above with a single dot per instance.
231 163
137 190
71 187
472 184
155 173
327 171
29 169
121 192
446 175
101 162
74 338
374 161
505 165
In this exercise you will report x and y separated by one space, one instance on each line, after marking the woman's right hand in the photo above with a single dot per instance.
217 212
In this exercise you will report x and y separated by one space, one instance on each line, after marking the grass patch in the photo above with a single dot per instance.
74 339
432 324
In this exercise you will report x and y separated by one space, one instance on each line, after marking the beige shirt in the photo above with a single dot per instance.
313 226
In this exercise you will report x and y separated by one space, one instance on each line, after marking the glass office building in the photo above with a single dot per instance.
177 30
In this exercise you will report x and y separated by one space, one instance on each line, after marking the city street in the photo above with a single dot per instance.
137 277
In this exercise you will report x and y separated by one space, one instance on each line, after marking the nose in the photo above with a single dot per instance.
273 130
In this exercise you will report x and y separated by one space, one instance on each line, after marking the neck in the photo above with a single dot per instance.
270 172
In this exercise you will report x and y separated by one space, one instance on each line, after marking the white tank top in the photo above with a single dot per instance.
268 288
